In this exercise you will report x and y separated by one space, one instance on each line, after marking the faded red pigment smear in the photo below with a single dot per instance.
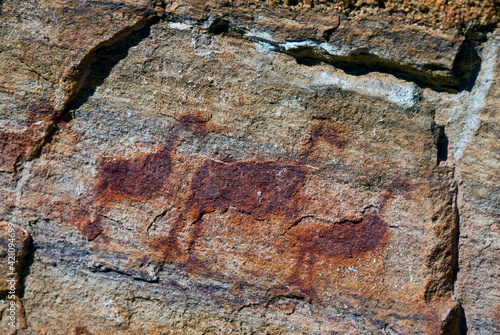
136 179
90 225
41 111
15 145
194 123
255 188
82 330
139 178
397 185
92 229
345 239
329 133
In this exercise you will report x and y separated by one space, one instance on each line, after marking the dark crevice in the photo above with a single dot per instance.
285 296
462 330
360 62
479 33
441 142
56 122
456 241
443 257
222 26
327 34
25 258
462 322
98 64
134 276
460 77
91 72
28 260
219 26
455 322
466 65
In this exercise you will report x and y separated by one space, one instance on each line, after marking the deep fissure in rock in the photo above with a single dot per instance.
361 62
455 323
461 76
441 142
97 65
94 68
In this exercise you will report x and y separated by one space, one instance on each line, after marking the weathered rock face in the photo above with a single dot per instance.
296 167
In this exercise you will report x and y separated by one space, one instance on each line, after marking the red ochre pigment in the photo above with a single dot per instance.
254 188
16 145
343 240
329 133
134 179
347 238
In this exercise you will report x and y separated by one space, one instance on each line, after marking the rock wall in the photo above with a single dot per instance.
249 167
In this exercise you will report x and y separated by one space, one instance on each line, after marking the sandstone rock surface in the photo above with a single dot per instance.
251 167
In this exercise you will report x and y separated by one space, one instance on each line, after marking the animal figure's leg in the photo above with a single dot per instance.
194 264
170 244
306 262
294 279
295 276
308 289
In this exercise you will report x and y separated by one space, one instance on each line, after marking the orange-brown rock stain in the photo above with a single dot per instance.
137 179
397 185
347 238
13 146
141 177
330 133
41 111
88 220
197 124
262 190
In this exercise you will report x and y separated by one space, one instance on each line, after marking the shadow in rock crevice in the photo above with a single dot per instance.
441 142
360 62
98 64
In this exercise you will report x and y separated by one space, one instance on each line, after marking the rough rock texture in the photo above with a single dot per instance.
251 167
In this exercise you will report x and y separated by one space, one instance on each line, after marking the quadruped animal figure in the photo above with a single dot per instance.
255 188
